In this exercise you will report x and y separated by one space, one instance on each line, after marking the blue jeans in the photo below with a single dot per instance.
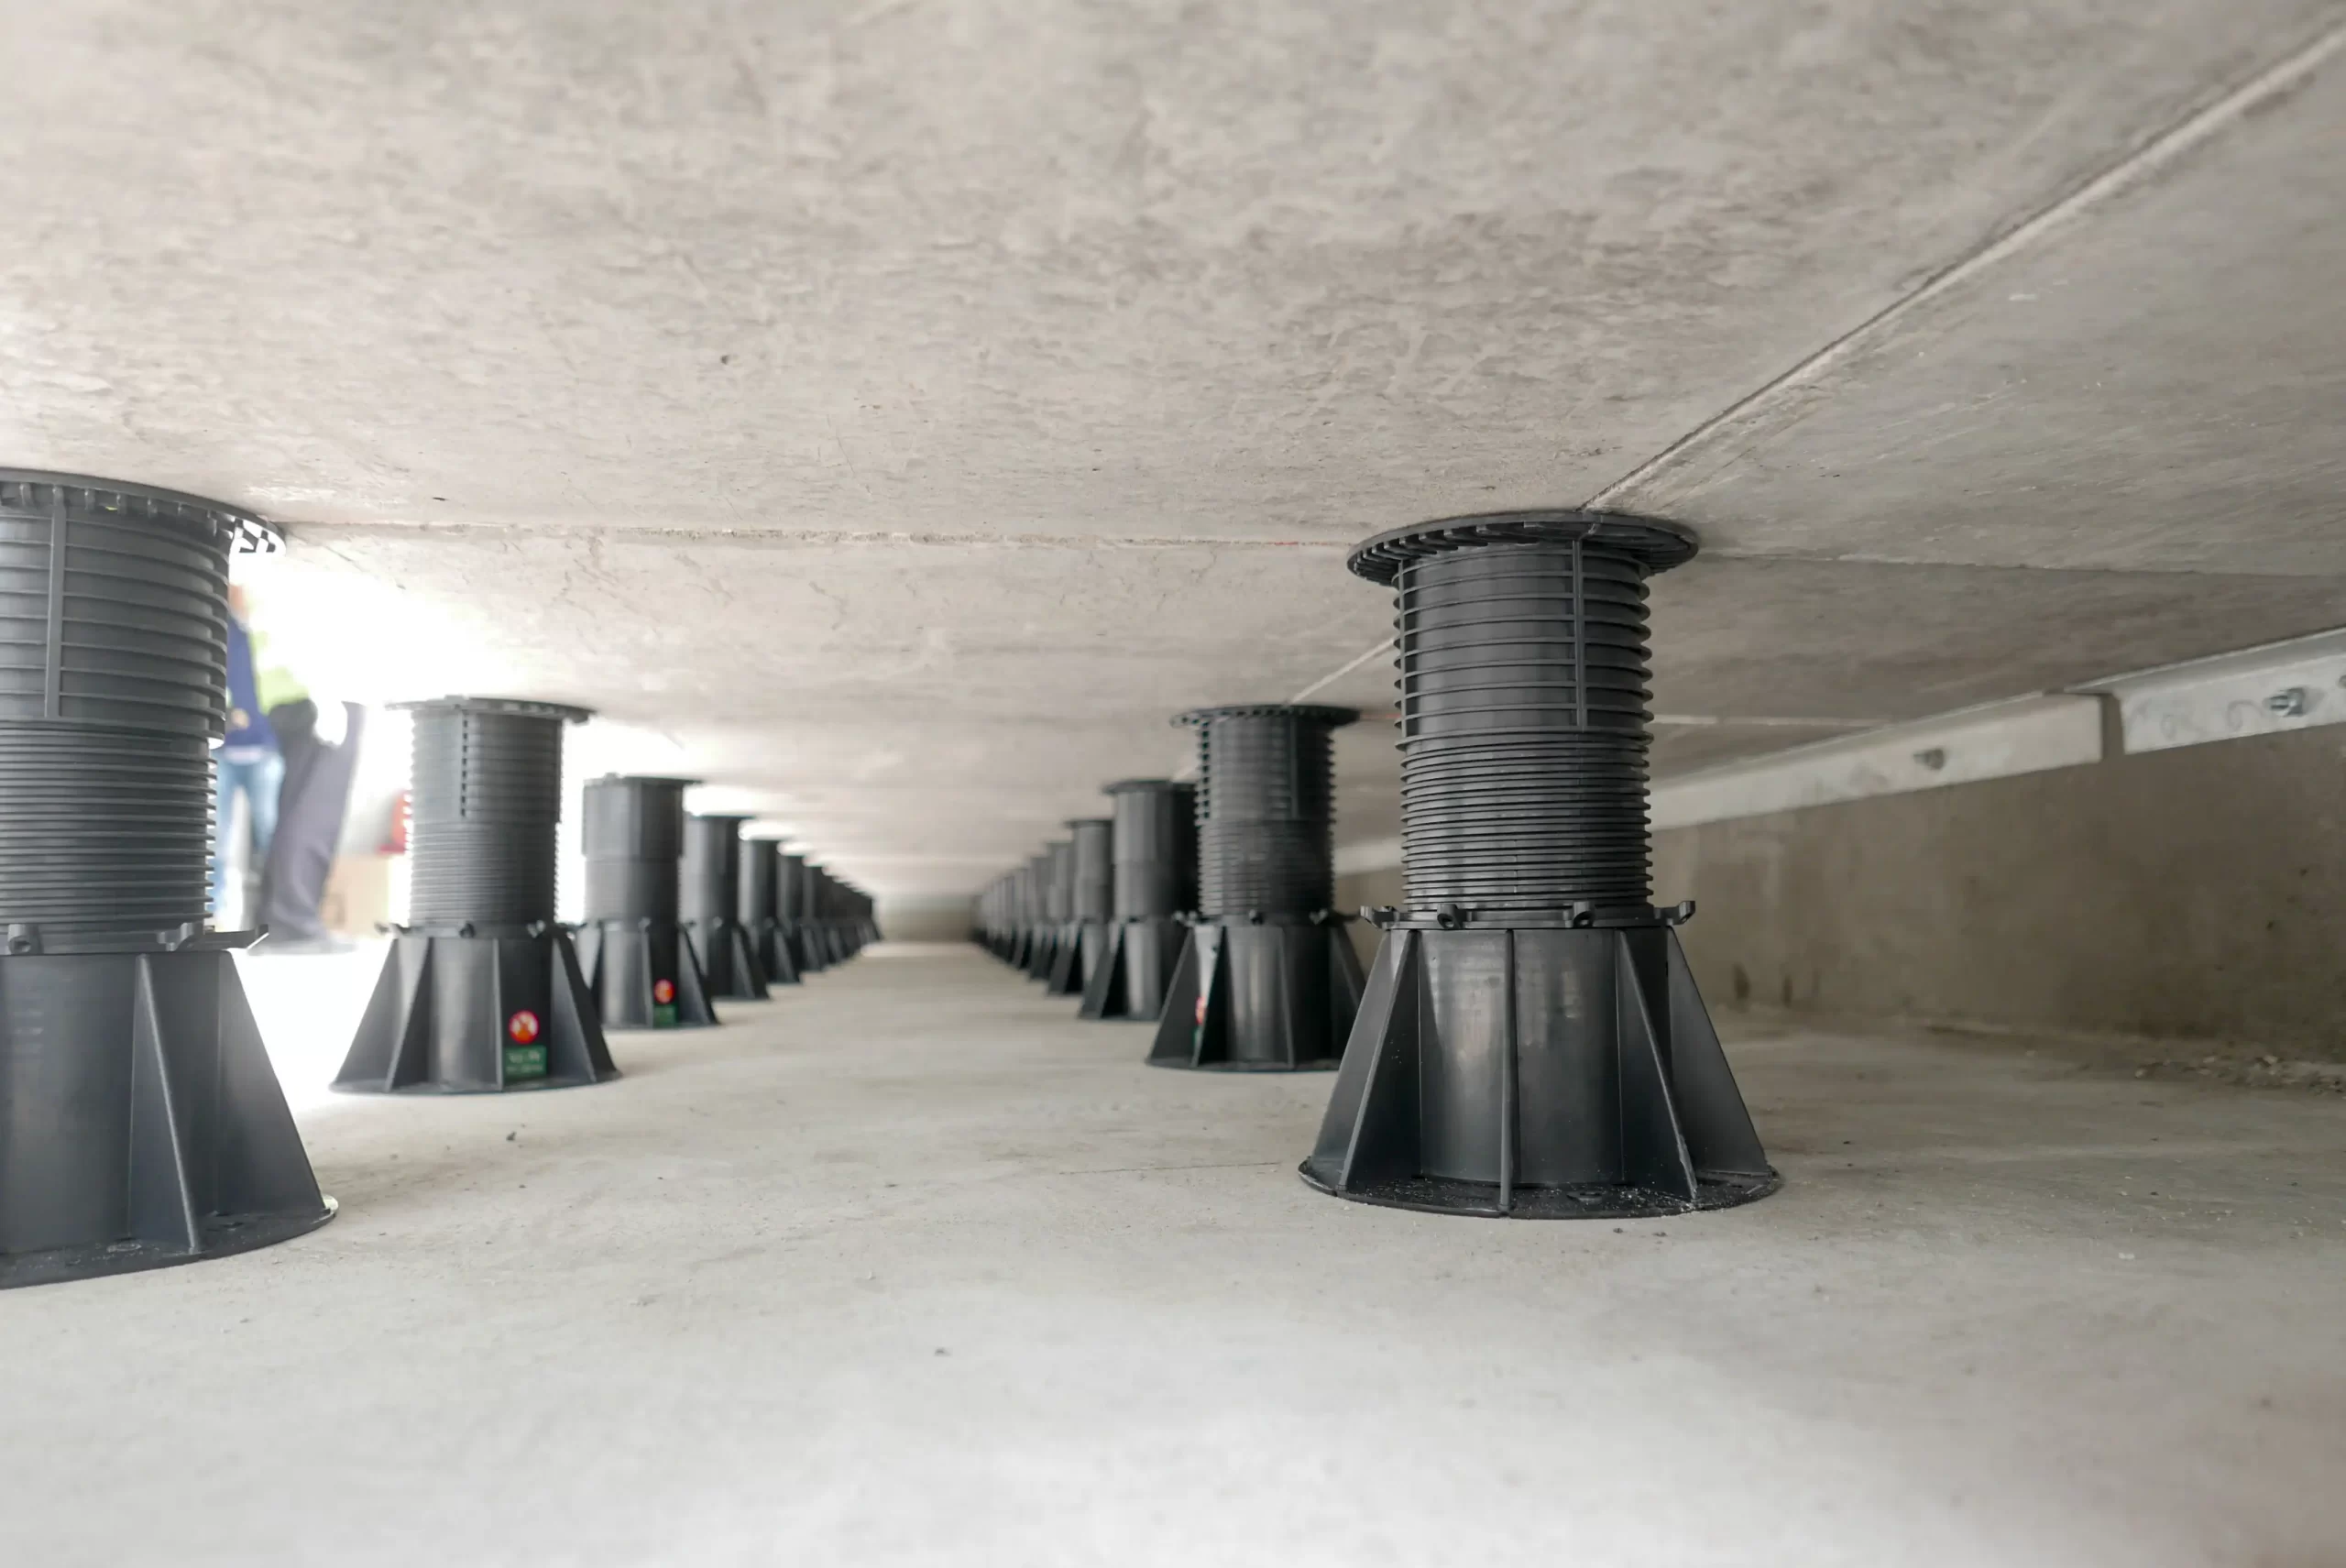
259 781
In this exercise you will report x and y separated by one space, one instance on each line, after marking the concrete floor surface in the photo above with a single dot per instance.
909 1267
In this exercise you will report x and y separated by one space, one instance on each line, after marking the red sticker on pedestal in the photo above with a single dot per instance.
522 1027
663 991
1202 1011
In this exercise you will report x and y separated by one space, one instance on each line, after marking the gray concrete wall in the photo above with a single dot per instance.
2198 893
918 918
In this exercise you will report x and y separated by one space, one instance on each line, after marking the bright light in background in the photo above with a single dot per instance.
364 639
308 1006
357 638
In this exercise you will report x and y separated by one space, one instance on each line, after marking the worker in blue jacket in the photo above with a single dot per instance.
248 764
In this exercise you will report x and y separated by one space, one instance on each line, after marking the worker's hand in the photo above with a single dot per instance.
333 721
238 718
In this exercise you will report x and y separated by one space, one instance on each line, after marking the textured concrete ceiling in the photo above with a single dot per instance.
900 409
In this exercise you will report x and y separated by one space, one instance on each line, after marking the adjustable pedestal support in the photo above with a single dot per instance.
477 1013
1547 1073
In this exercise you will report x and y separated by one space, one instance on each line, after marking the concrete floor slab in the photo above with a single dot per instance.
908 1267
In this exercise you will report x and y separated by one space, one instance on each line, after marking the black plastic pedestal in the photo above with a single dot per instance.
162 1137
1547 1073
1275 997
476 1014
1133 970
644 975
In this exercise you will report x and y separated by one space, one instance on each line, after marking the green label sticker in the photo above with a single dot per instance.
524 1061
663 1017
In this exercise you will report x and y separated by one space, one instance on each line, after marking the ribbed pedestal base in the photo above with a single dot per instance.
145 1127
729 964
644 975
1134 968
1550 1073
1268 998
479 1015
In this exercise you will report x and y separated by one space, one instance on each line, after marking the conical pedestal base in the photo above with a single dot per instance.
1268 998
143 1124
1134 968
478 1015
729 966
806 941
776 955
1547 1073
1043 952
644 976
1079 958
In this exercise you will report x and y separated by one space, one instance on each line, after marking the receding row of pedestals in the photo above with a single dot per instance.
141 1124
1528 1042
484 990
1207 908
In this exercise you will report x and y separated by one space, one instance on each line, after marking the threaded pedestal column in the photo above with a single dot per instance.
1155 849
709 901
1532 1043
1153 881
482 991
140 1122
1268 980
1091 896
761 910
639 962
